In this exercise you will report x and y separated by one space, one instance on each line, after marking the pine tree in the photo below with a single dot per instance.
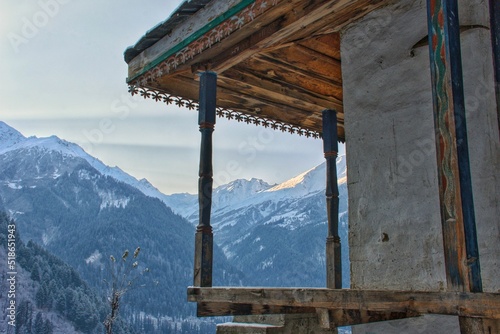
38 328
48 327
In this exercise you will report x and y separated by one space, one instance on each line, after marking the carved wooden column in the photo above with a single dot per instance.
330 148
203 253
455 187
495 42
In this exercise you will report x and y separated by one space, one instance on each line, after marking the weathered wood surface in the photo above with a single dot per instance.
179 34
203 254
288 47
494 6
340 318
461 252
485 305
232 97
333 249
207 309
443 90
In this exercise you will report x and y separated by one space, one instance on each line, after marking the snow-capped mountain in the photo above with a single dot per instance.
275 234
83 212
80 208
241 195
12 140
9 136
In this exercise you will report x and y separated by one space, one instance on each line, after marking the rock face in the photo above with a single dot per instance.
394 213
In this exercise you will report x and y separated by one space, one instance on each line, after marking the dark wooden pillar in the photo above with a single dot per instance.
455 187
203 256
495 41
330 148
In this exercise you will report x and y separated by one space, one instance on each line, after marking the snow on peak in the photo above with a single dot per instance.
244 186
238 191
11 140
9 136
311 181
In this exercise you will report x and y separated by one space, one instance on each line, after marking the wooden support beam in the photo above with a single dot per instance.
495 41
328 318
207 309
467 304
203 258
457 206
455 186
333 250
240 51
340 318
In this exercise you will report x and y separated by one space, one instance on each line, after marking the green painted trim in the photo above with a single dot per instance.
194 36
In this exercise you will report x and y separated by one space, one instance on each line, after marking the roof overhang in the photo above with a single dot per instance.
278 62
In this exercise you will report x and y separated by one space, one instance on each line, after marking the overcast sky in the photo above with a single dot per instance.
63 73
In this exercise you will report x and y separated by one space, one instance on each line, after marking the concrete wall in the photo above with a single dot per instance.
394 219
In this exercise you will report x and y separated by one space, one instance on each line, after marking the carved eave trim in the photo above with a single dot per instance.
203 39
178 101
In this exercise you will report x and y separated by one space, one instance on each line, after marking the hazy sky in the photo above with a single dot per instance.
63 73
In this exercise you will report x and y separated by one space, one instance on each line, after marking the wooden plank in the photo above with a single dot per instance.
294 76
309 61
238 52
266 90
329 318
294 19
234 99
332 16
268 107
246 104
183 34
446 149
340 318
467 304
231 309
328 44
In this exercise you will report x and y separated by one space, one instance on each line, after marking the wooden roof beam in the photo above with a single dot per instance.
287 90
312 14
302 78
310 61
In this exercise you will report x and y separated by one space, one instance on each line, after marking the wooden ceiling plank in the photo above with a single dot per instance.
255 80
327 44
295 76
339 14
310 61
270 96
234 99
309 15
